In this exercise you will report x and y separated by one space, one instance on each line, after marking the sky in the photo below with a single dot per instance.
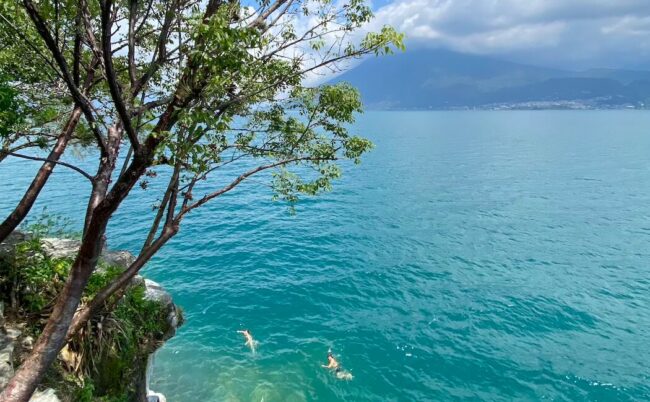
568 34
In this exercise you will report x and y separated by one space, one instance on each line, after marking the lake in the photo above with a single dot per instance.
471 256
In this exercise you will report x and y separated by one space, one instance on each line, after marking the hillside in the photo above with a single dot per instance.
441 79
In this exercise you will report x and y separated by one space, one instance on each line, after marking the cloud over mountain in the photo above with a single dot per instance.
562 33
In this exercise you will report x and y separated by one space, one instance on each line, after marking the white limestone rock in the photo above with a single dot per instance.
118 258
47 395
61 248
68 248
8 339
155 397
155 292
14 238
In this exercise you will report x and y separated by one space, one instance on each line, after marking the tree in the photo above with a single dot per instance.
190 87
35 111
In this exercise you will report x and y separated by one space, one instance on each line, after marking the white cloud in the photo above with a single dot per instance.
566 33
631 26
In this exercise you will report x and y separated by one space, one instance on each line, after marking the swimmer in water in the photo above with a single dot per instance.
250 342
333 364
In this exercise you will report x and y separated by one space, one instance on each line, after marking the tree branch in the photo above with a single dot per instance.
259 21
79 98
133 7
76 53
158 57
111 78
31 45
277 17
171 188
240 179
36 158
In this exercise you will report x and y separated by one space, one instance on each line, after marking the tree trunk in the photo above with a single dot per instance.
103 177
93 306
25 205
24 382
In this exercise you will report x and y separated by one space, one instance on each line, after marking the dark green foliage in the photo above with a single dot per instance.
29 279
114 346
85 393
104 275
10 114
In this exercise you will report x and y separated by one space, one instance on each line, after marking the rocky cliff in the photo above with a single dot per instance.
119 341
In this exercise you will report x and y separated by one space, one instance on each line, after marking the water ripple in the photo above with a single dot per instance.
472 256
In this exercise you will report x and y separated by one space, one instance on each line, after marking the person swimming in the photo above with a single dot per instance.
250 342
332 363
335 366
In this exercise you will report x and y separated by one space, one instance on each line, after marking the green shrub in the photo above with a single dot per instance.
49 225
85 393
115 344
130 331
103 275
30 279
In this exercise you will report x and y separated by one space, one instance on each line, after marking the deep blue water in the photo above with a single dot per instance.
472 256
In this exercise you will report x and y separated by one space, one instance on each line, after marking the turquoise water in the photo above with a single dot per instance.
472 256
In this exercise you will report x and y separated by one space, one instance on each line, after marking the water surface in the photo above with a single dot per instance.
472 256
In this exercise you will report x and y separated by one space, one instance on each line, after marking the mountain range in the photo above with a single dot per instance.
443 79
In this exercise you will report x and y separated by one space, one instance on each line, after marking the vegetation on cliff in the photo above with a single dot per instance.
106 360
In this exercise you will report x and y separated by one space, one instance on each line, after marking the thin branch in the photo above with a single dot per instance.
259 21
277 17
171 188
111 78
173 199
133 8
36 158
79 98
56 21
240 179
77 48
159 56
90 35
145 17
30 44
151 105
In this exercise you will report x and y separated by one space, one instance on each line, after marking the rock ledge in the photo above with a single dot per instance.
67 248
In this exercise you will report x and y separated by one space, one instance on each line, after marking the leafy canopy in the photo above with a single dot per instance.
194 86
